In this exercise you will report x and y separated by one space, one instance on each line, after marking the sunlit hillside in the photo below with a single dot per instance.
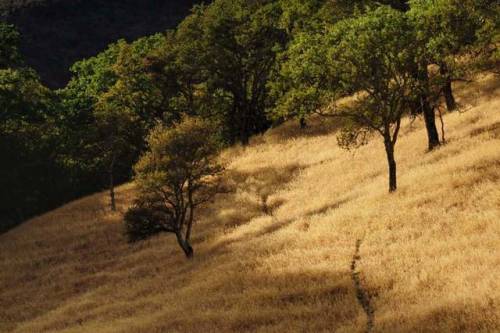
306 240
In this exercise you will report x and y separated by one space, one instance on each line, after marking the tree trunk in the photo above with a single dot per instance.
389 149
245 128
185 246
451 104
302 122
244 137
191 214
422 105
112 191
430 125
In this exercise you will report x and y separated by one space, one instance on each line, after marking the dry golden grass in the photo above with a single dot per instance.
275 254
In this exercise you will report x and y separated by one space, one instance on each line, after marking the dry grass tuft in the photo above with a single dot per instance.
277 253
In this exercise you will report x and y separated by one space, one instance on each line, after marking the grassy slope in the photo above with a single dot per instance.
276 254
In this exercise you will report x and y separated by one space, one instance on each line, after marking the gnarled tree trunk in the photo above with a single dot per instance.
389 149
447 89
303 123
185 245
430 124
422 106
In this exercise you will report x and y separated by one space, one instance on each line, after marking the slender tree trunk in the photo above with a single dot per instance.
451 104
244 137
112 190
112 184
302 122
428 111
422 106
389 149
430 125
190 216
238 121
185 246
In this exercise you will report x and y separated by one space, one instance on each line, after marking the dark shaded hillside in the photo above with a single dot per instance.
56 33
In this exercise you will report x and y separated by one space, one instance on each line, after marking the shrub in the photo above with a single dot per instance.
176 175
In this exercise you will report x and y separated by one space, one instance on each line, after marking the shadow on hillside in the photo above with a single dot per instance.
243 298
493 130
66 255
445 318
246 195
482 88
328 207
273 225
316 126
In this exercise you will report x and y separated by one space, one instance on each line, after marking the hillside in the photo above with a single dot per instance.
56 33
308 240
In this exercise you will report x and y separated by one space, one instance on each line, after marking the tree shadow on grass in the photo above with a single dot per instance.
316 126
245 299
445 318
246 196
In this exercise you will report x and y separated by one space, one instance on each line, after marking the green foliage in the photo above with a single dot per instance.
447 26
28 134
374 55
235 44
178 159
451 28
173 177
299 86
371 55
302 84
9 43
238 65
107 111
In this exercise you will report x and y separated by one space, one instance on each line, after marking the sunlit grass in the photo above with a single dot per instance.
274 254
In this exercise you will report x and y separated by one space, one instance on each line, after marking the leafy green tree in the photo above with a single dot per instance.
116 134
370 56
22 141
373 56
236 46
306 20
91 78
141 92
448 29
108 107
9 46
303 79
174 177
28 137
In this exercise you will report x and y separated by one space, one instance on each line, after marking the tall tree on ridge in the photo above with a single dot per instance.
237 44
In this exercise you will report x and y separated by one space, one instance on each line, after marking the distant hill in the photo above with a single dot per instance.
56 33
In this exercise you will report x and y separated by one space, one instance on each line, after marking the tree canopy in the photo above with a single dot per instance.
241 66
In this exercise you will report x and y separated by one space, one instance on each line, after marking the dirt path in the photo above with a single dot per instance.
362 295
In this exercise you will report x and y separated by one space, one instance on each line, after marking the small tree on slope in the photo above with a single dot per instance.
174 177
117 128
371 55
448 30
